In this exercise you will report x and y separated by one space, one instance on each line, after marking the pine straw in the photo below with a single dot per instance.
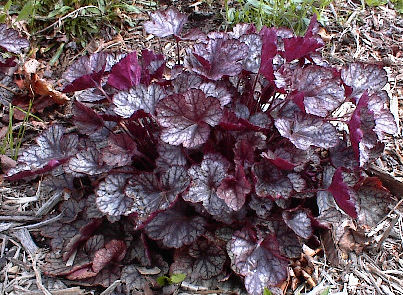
372 35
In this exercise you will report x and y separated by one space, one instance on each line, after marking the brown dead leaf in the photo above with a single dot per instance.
330 248
7 162
3 131
353 240
44 88
325 35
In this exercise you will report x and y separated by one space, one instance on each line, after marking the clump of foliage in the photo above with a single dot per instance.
11 44
220 166
294 14
78 20
397 4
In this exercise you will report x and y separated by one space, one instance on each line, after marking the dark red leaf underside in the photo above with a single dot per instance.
86 72
86 119
269 51
114 251
344 195
126 73
298 47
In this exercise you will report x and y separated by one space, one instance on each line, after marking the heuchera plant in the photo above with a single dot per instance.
232 158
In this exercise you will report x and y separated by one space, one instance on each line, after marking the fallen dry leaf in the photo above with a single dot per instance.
325 35
7 162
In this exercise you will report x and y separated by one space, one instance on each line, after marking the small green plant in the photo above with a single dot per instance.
266 291
176 278
12 140
397 4
294 14
78 20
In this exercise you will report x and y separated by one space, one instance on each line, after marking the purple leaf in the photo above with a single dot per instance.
137 98
260 262
364 77
169 155
194 34
175 228
187 118
89 95
165 23
152 66
242 29
120 150
53 149
245 147
7 63
11 41
373 202
290 245
299 222
187 81
111 199
269 51
305 130
126 73
206 179
298 183
88 161
363 138
214 90
384 120
202 261
86 72
113 252
322 92
298 47
151 193
217 58
344 195
270 181
262 206
233 189
343 156
252 62
209 259
86 119
287 156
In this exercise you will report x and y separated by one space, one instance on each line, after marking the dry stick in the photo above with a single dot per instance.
26 241
38 275
8 89
49 204
68 291
42 223
387 232
19 218
111 288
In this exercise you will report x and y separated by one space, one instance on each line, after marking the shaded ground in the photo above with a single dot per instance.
373 35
